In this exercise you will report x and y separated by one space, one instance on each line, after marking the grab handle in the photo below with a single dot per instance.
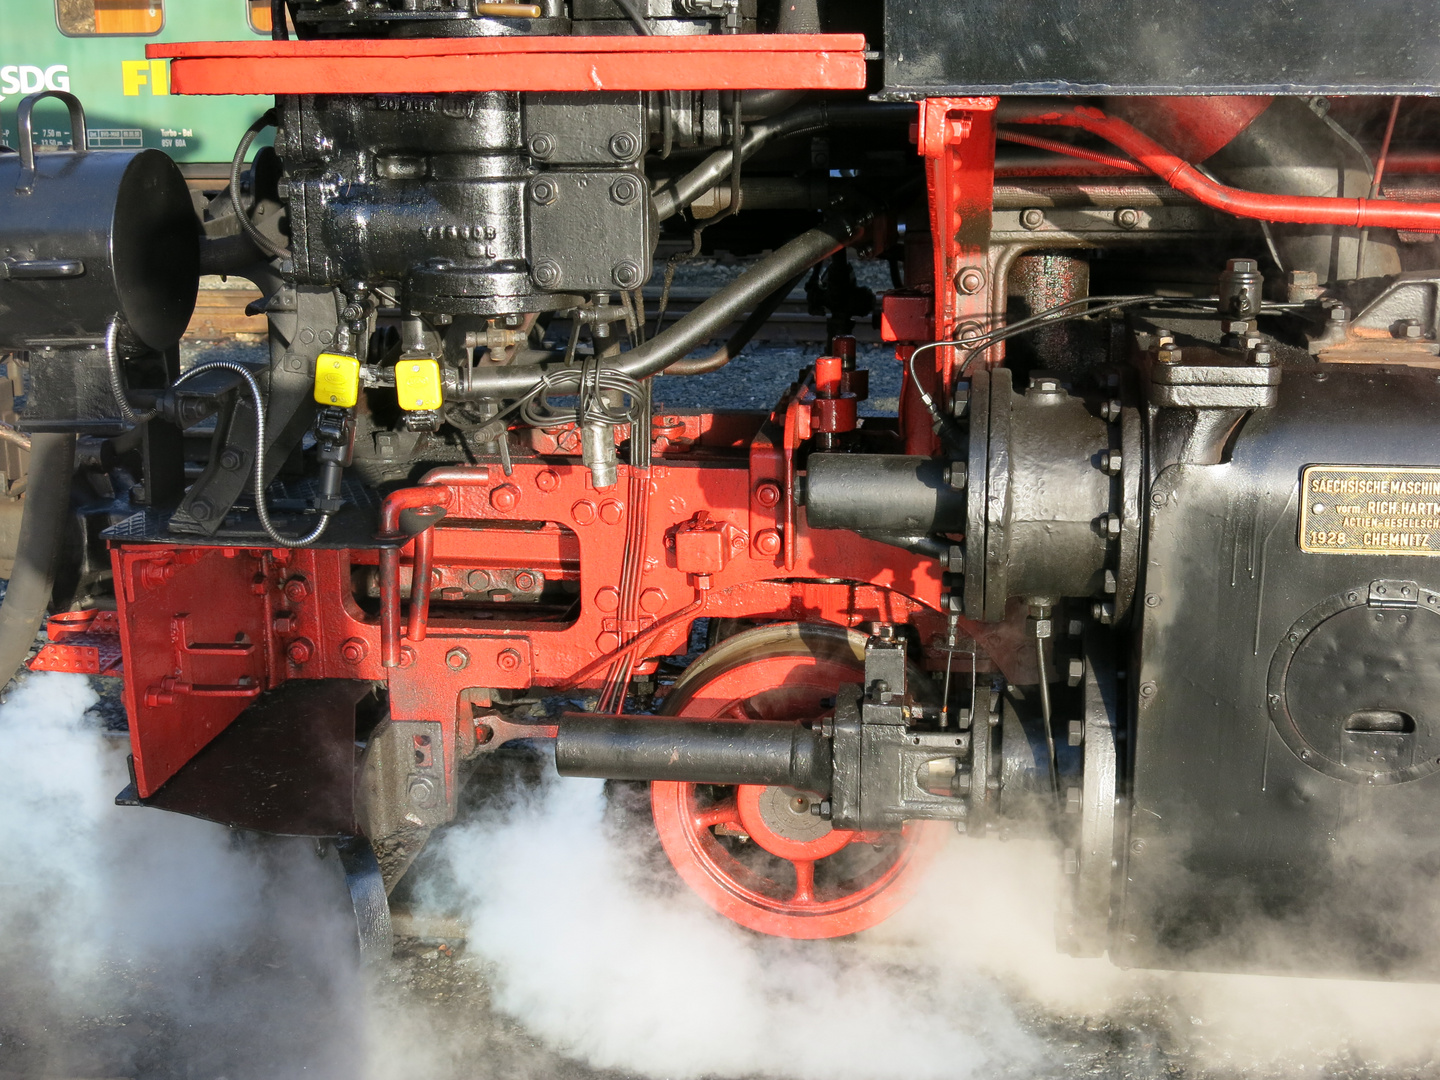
26 183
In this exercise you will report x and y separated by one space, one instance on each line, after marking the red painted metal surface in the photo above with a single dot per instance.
956 136
1184 177
410 66
83 642
1197 127
205 629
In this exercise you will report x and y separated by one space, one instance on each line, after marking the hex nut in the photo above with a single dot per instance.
546 274
300 650
625 190
1074 673
353 650
543 191
457 659
625 274
542 145
297 589
1127 218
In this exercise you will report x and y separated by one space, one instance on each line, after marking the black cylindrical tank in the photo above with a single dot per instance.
89 234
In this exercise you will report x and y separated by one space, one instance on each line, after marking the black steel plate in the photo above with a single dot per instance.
1160 46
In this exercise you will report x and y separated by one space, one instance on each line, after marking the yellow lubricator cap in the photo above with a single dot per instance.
417 384
337 380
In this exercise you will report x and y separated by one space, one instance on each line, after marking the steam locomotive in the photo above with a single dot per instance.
1140 564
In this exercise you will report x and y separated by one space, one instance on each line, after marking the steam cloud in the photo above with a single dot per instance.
136 943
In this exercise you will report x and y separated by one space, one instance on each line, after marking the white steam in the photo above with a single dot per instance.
138 943
610 968
585 946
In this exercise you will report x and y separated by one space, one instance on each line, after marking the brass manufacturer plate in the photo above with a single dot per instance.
1370 510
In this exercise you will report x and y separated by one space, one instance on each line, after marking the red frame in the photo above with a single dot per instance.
710 530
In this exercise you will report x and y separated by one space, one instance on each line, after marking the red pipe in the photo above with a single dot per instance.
445 477
416 498
1111 161
1185 178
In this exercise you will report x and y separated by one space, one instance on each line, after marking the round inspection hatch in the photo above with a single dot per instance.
1354 685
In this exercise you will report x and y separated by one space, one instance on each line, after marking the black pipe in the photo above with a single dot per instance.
686 189
42 534
694 751
772 272
700 365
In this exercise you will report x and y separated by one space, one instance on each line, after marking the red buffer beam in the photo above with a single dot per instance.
732 62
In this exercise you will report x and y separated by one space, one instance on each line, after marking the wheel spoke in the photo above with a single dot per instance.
722 813
804 881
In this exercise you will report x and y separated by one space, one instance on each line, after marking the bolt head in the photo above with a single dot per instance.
1032 218
508 660
767 542
767 493
525 581
1127 218
625 274
625 190
624 145
505 497
970 280
297 589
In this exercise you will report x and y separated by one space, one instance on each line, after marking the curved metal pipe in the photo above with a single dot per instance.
701 365
686 189
1186 178
42 532
699 326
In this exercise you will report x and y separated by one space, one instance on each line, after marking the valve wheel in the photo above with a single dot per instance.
757 854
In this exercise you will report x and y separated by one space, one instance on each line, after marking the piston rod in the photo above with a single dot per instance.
769 752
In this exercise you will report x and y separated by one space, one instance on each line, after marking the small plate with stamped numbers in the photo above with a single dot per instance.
1370 510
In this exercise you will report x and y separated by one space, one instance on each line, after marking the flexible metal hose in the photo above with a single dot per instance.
42 534
261 510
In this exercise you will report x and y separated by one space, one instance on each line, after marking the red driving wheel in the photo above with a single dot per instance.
757 854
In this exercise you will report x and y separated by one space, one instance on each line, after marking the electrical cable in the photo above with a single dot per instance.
1072 309
261 241
636 16
261 510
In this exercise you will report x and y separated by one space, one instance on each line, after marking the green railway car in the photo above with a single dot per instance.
96 49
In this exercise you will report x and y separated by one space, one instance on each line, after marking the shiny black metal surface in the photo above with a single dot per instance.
1169 47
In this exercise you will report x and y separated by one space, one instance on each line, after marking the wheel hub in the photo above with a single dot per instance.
780 820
